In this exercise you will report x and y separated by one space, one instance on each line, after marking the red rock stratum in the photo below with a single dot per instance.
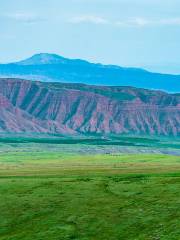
27 106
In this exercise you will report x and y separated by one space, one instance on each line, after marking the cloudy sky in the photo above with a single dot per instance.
139 33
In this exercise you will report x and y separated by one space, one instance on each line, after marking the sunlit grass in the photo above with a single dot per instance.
60 196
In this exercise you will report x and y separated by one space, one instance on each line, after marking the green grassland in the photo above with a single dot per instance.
55 195
45 163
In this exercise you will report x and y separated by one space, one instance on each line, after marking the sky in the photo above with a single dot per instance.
131 33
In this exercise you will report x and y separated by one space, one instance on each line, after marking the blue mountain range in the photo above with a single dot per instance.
54 68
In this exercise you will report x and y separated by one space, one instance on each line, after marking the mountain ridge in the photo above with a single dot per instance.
54 68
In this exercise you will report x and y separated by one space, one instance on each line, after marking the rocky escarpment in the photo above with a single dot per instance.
27 106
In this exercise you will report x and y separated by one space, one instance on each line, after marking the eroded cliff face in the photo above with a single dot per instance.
27 106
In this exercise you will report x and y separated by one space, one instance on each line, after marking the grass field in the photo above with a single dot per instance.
56 196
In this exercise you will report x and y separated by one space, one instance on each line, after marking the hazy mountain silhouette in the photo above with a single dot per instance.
54 68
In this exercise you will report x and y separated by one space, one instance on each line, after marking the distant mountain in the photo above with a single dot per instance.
43 58
53 68
50 59
27 106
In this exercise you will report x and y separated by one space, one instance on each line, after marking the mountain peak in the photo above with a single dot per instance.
43 58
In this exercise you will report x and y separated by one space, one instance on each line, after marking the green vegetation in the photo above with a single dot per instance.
96 140
58 196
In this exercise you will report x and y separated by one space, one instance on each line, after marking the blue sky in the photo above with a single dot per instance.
139 33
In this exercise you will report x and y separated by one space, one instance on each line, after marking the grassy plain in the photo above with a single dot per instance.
59 192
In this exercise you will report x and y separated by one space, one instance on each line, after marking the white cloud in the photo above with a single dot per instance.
132 22
170 21
143 22
89 19
32 18
136 22
24 17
